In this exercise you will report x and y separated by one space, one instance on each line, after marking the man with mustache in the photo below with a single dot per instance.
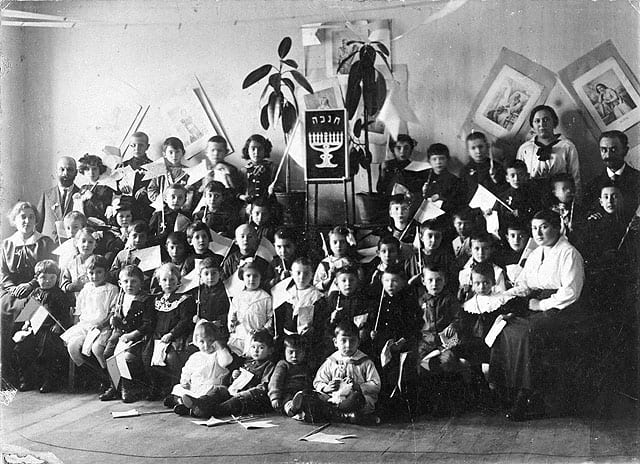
614 146
57 201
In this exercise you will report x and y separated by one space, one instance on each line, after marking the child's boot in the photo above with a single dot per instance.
128 391
109 394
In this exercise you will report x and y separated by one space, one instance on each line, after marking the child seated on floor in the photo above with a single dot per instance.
248 394
206 370
174 314
250 311
388 254
304 312
132 323
441 183
515 252
95 304
341 253
440 313
563 192
286 252
218 212
41 356
199 237
261 218
291 376
172 217
481 168
74 274
346 386
482 250
212 300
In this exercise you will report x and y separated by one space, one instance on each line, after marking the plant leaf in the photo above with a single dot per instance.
351 42
353 89
264 117
384 58
369 90
291 63
289 83
289 116
255 75
345 60
274 81
264 92
284 47
300 79
381 89
383 48
357 128
277 110
272 106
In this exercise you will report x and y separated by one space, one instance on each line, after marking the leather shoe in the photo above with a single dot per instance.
109 395
181 410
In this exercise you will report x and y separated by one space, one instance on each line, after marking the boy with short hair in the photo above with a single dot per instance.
286 253
137 239
244 250
434 250
260 217
388 254
227 174
138 146
482 250
346 386
463 223
217 213
199 237
212 300
442 184
481 169
515 252
399 213
350 302
519 193
563 192
172 218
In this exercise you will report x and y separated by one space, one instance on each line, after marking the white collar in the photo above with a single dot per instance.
619 172
17 240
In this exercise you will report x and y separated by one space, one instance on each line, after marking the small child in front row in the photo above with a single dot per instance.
172 217
346 386
250 311
199 237
132 323
248 394
41 356
174 323
304 312
95 303
290 376
212 300
206 370
341 253
286 253
482 250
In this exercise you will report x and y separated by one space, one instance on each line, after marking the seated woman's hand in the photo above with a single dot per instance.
333 385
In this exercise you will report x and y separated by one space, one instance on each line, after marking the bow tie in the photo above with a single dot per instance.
544 151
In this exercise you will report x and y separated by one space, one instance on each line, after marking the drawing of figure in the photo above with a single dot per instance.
611 101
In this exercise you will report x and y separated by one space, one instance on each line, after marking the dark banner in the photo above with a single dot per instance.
326 140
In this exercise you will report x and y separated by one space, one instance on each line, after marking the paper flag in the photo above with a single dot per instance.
266 250
396 109
428 210
112 368
121 361
495 330
266 424
483 199
156 169
241 381
219 244
158 203
309 34
399 189
416 166
322 437
279 294
385 354
91 337
126 175
513 271
212 422
368 254
197 172
449 7
360 320
149 258
29 310
67 249
112 153
190 281
159 353
493 223
179 390
233 285
61 230
38 318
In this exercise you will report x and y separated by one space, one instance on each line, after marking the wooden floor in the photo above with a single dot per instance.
78 428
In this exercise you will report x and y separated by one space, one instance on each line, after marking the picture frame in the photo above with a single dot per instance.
514 86
606 90
326 141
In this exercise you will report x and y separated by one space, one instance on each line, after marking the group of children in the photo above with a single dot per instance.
343 339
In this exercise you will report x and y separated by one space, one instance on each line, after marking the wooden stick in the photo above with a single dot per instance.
314 431
284 155
624 237
491 156
126 134
504 204
404 232
375 328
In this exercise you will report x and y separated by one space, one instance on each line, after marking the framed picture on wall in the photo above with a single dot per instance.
606 89
513 87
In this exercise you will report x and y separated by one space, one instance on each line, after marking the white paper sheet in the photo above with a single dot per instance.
149 258
159 353
240 382
322 437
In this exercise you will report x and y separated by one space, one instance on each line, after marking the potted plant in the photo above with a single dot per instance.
367 84
278 103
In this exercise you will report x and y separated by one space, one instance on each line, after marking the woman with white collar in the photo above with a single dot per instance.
551 283
548 153
18 256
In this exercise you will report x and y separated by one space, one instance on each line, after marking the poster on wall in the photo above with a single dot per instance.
606 89
326 145
513 87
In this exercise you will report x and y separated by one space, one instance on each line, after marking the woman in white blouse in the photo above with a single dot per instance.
548 153
551 283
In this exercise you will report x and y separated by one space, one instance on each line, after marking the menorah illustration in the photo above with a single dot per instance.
326 142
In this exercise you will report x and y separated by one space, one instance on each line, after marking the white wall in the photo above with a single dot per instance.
75 79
